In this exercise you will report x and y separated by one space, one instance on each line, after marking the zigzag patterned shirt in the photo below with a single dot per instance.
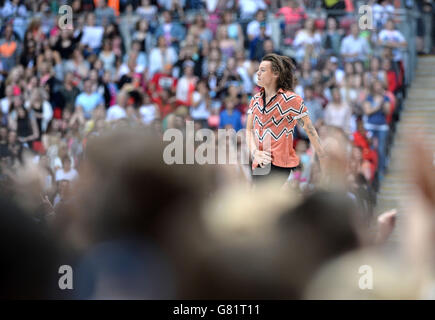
274 123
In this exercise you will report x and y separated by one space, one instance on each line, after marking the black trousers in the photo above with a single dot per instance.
270 171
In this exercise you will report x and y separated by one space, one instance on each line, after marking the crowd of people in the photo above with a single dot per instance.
160 63
156 64
132 227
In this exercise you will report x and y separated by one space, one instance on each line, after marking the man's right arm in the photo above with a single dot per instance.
249 136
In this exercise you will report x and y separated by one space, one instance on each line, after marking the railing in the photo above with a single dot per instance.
408 27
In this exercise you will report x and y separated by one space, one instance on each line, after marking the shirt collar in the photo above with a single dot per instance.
280 90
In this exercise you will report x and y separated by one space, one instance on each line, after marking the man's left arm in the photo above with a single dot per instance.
307 125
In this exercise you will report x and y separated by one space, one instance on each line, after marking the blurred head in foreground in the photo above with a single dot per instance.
265 249
123 220
29 258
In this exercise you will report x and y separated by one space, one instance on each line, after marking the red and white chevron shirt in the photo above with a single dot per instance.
274 123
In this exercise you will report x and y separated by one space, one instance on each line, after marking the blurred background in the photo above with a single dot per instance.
83 183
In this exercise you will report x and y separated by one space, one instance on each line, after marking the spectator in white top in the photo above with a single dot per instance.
57 154
89 99
253 29
393 39
354 47
148 111
186 85
140 56
243 71
117 111
161 56
16 12
13 9
201 105
382 11
92 34
337 112
337 73
248 8
7 100
66 172
307 40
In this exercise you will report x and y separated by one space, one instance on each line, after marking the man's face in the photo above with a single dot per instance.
268 46
389 25
354 30
167 17
188 71
308 94
67 165
333 66
107 76
332 24
336 95
91 20
167 70
265 75
88 86
162 42
8 31
378 87
136 46
132 62
3 133
260 16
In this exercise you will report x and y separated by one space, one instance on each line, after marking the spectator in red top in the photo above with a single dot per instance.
361 140
186 85
391 76
165 102
163 80
293 14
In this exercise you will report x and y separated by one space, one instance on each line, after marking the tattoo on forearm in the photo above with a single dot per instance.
301 122
314 138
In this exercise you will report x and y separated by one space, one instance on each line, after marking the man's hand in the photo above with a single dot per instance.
386 222
262 157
